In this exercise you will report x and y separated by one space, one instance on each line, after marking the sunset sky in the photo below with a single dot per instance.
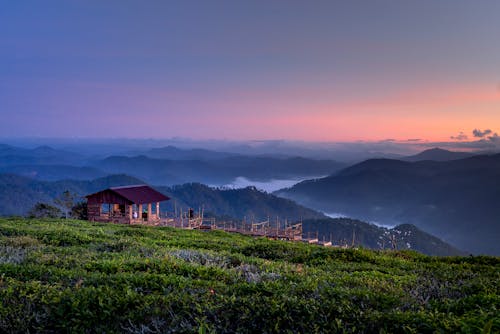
297 70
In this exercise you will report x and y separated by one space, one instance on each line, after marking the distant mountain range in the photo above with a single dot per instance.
175 153
167 166
457 200
438 154
216 172
54 172
42 155
437 190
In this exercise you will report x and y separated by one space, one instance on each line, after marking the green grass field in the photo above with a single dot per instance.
77 276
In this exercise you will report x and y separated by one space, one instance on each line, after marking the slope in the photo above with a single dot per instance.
74 276
455 200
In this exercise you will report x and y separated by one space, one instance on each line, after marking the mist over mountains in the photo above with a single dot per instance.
436 190
18 194
166 166
456 200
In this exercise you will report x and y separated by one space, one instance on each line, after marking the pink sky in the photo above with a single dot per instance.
332 71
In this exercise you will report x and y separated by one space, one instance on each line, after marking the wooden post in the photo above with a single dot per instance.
140 212
157 210
130 208
149 212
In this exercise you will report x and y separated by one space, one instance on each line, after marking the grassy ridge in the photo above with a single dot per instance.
58 276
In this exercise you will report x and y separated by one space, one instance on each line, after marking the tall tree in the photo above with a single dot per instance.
79 211
65 201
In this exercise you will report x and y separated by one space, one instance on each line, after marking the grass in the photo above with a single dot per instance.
77 276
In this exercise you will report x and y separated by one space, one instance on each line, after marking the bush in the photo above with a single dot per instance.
44 210
80 211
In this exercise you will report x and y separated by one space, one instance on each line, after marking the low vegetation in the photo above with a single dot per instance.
76 276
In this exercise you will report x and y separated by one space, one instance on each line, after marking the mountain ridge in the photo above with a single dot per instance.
443 198
18 194
438 154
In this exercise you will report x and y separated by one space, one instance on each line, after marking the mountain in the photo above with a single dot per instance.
19 194
175 153
42 155
168 165
438 154
345 231
455 200
53 172
247 203
217 172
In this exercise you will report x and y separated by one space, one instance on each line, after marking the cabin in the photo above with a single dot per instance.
137 204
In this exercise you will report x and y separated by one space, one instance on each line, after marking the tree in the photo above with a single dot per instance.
44 210
65 201
79 211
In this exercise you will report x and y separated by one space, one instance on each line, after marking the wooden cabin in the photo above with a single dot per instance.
138 204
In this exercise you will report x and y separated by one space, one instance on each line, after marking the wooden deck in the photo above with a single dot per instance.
266 229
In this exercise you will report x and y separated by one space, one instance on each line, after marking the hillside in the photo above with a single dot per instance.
438 154
168 165
174 153
218 171
73 276
247 203
42 155
18 195
53 172
351 232
454 200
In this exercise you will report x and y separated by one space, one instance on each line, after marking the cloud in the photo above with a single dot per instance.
494 138
480 134
460 136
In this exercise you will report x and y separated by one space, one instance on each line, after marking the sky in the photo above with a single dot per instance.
314 71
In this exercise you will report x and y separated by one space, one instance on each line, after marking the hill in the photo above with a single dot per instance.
174 153
217 172
53 172
438 154
75 276
42 155
352 232
167 165
18 195
239 204
454 200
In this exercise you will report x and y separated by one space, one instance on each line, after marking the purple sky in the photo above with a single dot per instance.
318 71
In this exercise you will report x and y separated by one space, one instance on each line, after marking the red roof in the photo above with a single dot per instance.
138 194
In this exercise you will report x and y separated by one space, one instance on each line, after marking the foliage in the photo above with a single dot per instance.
77 276
44 210
346 231
79 211
66 201
456 200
